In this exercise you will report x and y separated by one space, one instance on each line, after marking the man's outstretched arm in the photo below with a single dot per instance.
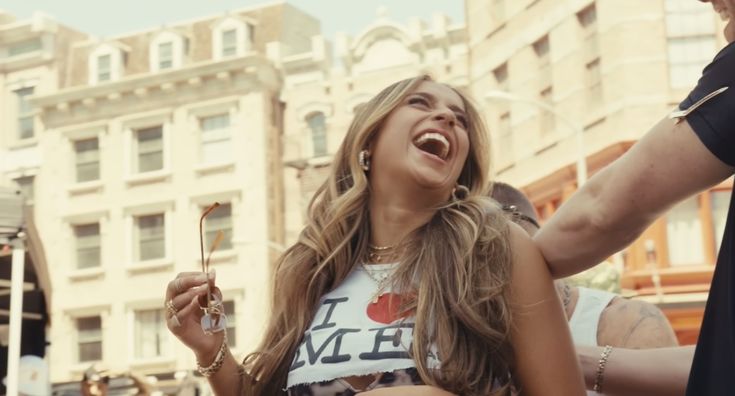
616 205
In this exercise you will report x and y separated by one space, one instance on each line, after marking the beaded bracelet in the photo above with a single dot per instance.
599 376
219 360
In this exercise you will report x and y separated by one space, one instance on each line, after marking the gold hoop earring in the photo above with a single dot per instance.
460 193
364 160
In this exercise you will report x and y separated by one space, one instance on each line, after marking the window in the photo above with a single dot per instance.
219 220
692 42
25 113
594 82
684 233
165 55
317 125
104 68
587 18
501 76
24 47
229 42
720 203
505 134
687 57
231 36
151 335
89 339
541 49
150 237
88 244
87 160
149 144
216 143
26 187
231 323
547 121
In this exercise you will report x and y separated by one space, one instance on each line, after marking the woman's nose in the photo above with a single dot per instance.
445 116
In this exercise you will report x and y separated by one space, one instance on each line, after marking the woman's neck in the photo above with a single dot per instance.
391 222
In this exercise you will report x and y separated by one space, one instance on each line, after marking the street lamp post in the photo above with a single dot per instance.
578 131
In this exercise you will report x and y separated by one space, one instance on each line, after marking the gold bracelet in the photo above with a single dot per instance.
600 375
219 360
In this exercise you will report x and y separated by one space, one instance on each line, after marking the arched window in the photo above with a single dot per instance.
318 127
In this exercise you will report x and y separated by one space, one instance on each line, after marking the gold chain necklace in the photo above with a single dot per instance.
376 254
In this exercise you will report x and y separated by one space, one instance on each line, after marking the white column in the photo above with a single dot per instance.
16 312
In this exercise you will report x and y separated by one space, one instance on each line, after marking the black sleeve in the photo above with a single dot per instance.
714 121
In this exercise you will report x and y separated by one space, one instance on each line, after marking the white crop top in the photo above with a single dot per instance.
353 334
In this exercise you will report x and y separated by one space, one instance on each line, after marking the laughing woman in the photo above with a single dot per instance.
402 277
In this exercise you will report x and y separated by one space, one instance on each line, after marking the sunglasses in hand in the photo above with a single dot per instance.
214 319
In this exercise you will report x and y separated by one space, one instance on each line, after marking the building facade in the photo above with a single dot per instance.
33 60
564 81
148 130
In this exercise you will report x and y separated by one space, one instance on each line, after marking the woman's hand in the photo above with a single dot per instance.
183 314
410 390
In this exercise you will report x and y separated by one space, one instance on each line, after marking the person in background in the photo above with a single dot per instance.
596 317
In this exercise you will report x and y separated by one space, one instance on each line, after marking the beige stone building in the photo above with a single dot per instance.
585 79
147 130
33 61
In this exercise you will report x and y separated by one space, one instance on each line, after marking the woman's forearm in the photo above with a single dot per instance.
634 372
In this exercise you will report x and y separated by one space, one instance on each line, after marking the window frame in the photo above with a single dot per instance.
318 134
78 358
96 163
77 248
117 60
163 344
153 150
179 47
689 65
131 253
215 136
139 238
244 29
25 112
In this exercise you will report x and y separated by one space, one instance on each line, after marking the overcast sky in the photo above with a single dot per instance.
106 18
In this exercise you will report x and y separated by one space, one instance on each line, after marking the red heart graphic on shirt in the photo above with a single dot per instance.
387 309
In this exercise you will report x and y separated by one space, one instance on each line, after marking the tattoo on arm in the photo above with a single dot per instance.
650 325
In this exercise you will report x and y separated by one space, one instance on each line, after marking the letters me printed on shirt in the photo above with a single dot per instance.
350 336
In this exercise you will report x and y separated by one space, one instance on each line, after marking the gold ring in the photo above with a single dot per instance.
170 308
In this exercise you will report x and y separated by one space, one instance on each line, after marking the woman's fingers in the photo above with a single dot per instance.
180 301
185 281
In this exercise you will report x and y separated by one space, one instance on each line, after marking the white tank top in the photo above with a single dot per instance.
586 317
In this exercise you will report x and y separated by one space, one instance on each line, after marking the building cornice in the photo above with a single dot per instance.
254 68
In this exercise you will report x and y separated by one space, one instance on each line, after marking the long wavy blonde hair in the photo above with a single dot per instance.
457 265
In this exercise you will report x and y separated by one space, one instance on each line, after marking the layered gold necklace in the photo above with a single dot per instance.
379 255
